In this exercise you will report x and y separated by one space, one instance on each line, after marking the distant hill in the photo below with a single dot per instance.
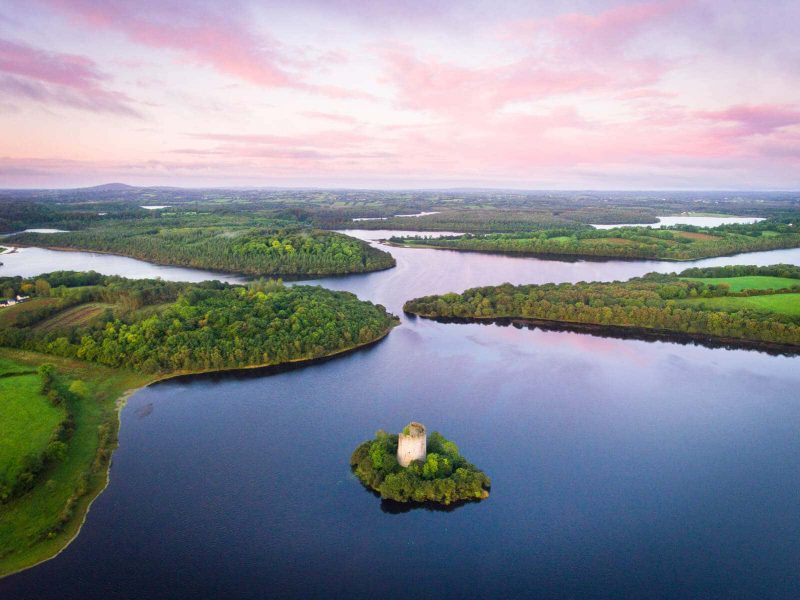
110 187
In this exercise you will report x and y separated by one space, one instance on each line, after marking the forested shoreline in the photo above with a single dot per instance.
161 327
673 304
678 243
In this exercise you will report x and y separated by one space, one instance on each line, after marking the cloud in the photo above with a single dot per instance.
568 53
747 120
325 116
53 78
204 33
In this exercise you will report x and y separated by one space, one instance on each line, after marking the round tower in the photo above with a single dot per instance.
412 444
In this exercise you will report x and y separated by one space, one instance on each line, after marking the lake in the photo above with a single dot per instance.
688 220
620 468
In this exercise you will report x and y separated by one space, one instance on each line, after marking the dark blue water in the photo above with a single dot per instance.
621 468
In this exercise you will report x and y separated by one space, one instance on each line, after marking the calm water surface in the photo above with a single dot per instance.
687 220
620 468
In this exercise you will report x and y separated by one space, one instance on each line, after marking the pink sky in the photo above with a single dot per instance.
586 94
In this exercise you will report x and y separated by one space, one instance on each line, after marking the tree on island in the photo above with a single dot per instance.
440 474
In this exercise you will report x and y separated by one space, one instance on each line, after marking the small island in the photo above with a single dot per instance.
410 467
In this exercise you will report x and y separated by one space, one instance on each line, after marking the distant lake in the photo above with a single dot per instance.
2 235
370 235
419 214
687 220
621 468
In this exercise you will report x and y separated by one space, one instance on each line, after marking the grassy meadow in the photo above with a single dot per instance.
36 525
749 282
780 304
28 420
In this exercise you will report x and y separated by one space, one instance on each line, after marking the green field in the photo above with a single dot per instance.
782 304
29 525
12 367
749 282
28 420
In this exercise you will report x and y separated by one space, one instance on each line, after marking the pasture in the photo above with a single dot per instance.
781 304
28 420
749 282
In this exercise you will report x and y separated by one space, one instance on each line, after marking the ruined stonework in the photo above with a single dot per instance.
412 444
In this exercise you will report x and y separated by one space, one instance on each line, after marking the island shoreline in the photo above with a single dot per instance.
624 332
292 277
572 258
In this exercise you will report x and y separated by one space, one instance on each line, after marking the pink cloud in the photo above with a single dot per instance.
199 33
442 87
612 29
54 78
204 34
746 120
582 52
325 116
319 139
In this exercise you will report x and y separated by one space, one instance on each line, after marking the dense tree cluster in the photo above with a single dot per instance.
782 270
197 327
287 250
445 476
680 242
655 302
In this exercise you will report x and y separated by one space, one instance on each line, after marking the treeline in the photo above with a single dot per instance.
279 251
444 477
475 220
680 242
65 289
782 270
212 326
655 302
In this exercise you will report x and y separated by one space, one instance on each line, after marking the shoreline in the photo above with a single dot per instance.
625 332
121 401
582 257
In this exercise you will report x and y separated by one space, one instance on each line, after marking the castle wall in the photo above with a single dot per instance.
411 448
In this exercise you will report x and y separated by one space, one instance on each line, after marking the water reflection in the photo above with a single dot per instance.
688 220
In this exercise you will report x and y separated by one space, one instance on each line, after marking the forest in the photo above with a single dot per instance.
676 303
280 249
444 478
678 242
161 327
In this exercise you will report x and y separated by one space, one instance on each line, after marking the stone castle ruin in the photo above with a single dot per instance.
412 444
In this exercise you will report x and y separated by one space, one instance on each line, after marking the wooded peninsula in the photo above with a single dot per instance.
752 306
276 248
78 340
